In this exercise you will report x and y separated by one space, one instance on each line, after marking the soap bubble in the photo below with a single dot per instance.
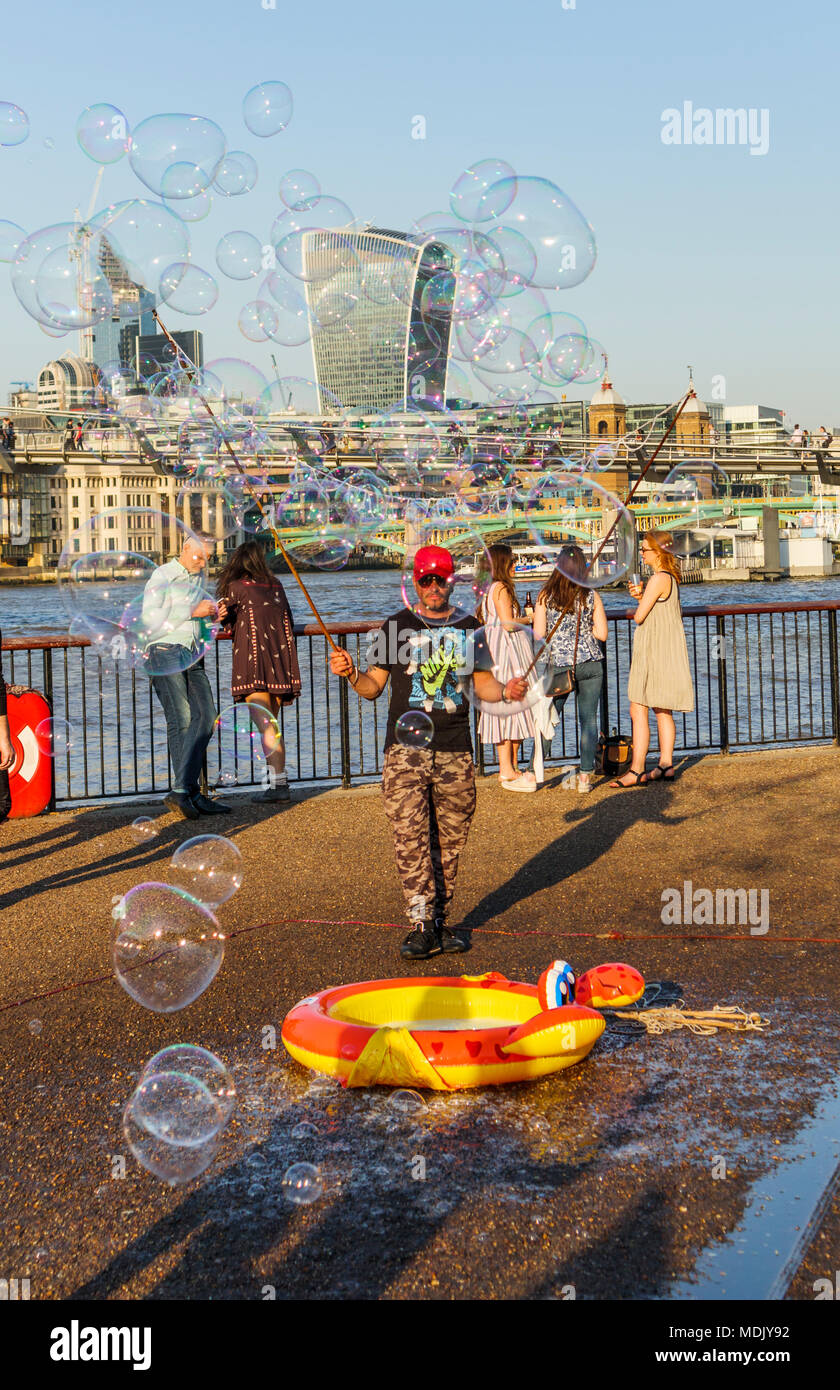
209 868
471 577
34 1025
406 1102
161 143
143 828
317 524
234 379
188 289
191 209
291 326
505 650
173 1163
302 1184
104 591
102 132
299 189
201 1065
239 255
176 1108
305 1130
54 737
169 947
698 495
258 320
470 192
148 238
414 729
11 237
237 174
59 291
242 735
541 212
592 366
267 108
581 529
14 124
328 254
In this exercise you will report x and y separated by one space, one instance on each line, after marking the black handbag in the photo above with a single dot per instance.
613 755
563 682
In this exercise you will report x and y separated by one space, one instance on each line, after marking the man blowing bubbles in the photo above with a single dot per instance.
429 792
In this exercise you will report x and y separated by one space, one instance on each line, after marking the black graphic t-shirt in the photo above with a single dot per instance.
425 660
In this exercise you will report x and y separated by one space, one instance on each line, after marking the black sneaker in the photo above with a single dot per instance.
206 807
182 805
421 943
451 943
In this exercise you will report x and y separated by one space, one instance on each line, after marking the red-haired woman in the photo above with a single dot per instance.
660 676
512 653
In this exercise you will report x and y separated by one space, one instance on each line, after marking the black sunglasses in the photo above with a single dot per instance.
426 580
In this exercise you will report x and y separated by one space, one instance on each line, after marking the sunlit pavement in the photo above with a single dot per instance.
606 1180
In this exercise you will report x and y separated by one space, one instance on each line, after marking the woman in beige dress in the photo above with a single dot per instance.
660 677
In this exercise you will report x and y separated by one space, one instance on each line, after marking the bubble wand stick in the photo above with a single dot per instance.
182 357
683 403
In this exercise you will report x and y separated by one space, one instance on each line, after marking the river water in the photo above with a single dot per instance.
359 595
778 682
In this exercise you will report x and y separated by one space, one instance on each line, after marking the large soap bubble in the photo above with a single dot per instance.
267 108
176 1108
581 529
165 142
696 496
546 217
168 947
148 238
299 189
202 1066
14 124
237 174
173 1163
308 241
102 132
470 192
209 868
188 289
120 598
57 278
239 255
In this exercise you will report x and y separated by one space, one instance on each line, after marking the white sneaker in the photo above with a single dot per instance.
570 781
518 784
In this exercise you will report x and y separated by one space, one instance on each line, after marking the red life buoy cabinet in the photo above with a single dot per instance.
31 773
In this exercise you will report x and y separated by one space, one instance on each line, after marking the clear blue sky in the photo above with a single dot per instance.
707 255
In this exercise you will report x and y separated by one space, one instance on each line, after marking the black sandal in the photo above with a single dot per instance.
641 781
660 773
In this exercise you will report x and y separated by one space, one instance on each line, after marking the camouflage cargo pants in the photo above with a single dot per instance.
429 800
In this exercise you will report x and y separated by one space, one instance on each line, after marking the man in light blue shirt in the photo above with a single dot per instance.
173 617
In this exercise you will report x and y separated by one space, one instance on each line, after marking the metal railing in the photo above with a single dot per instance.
765 676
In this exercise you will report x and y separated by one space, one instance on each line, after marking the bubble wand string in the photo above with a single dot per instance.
683 403
182 358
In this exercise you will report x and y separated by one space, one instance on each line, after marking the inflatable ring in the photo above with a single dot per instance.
444 1033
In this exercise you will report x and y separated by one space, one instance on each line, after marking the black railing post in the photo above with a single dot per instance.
343 721
834 674
48 696
723 706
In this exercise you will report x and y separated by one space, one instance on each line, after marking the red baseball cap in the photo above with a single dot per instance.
433 559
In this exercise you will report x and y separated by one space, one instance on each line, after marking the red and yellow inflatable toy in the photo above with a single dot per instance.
444 1034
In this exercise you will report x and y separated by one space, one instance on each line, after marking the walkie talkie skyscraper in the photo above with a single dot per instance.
380 312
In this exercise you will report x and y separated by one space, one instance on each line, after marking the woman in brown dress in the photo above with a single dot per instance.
265 664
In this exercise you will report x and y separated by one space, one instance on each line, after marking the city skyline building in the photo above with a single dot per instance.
380 313
111 342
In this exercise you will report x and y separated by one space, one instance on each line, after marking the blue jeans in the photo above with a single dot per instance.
589 676
187 702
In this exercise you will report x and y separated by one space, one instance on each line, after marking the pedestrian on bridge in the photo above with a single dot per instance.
660 676
428 790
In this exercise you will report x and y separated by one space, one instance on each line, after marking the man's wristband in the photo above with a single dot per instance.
354 676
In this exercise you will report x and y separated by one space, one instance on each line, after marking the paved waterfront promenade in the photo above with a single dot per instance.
598 1179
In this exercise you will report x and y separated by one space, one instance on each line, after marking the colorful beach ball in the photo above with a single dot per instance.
556 985
610 986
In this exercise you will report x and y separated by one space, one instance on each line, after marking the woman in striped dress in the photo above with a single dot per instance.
512 653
